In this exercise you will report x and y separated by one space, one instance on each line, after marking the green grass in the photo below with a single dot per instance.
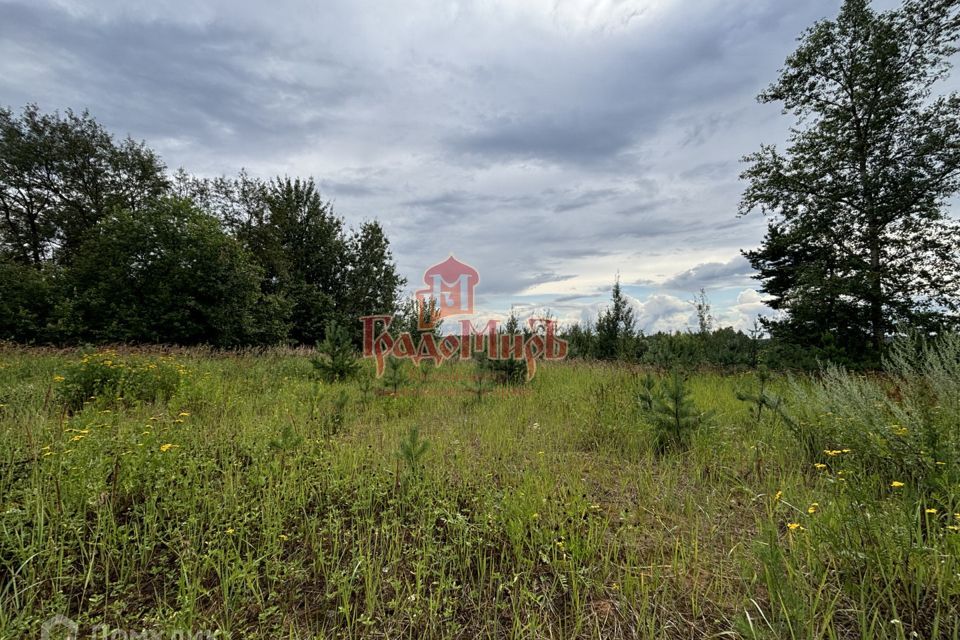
283 508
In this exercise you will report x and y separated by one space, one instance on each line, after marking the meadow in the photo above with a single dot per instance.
236 494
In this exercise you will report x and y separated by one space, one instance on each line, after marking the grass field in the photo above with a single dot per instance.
238 494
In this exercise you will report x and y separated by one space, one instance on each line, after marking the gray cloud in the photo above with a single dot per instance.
711 275
549 143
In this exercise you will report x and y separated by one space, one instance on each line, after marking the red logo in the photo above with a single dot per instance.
449 292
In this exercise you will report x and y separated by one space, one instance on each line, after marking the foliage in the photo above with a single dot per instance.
60 174
394 375
900 427
337 359
309 258
28 300
673 414
860 241
412 449
510 370
110 377
74 202
165 274
616 328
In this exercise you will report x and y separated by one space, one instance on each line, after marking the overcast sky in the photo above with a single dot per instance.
550 144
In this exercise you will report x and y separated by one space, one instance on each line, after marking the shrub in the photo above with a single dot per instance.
900 426
106 375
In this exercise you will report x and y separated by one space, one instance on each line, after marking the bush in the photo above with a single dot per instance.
897 427
105 375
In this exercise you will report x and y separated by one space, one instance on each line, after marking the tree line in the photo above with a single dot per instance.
98 243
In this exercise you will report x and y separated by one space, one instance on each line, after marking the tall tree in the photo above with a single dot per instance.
60 175
373 283
859 240
616 327
165 274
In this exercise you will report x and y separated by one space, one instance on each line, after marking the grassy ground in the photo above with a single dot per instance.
259 502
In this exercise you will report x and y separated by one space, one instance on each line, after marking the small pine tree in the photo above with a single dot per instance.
674 415
512 370
412 450
395 375
760 399
648 392
336 358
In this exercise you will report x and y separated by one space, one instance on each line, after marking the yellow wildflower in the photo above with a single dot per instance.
166 447
183 414
794 526
896 484
230 531
778 495
931 511
820 466
813 508
58 378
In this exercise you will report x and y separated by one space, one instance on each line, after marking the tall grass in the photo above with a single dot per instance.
261 502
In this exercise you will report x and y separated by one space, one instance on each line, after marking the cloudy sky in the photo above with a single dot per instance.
551 144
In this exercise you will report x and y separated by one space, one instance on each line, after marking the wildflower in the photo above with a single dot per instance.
183 414
540 453
58 378
615 586
896 484
820 466
812 509
833 452
794 526
931 511
77 438
178 421
283 538
778 495
230 531
953 527
595 507
535 516
166 447
846 450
